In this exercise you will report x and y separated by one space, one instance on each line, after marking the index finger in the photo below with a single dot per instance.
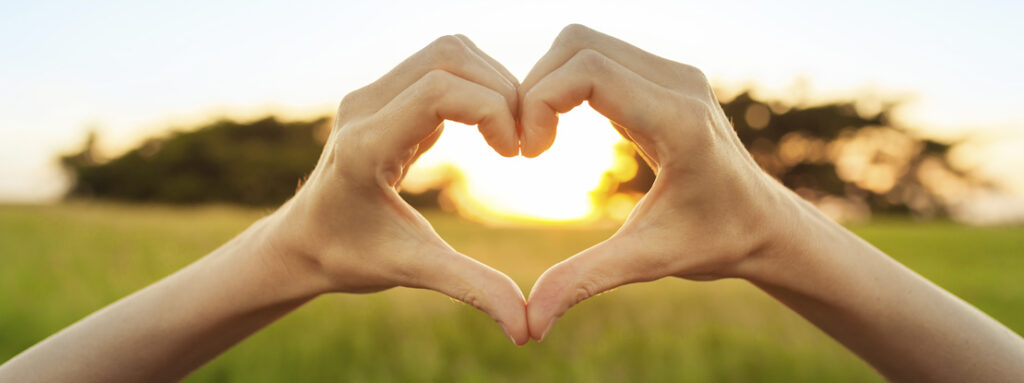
448 53
656 69
494 63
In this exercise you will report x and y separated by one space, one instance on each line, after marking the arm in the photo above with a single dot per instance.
175 325
898 321
345 230
713 213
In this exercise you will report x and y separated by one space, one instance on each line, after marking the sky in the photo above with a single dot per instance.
132 69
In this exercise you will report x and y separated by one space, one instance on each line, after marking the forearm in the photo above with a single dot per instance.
902 324
168 329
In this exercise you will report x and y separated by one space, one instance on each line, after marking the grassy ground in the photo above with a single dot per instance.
59 263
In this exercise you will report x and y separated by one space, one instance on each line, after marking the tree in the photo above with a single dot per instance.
257 163
833 152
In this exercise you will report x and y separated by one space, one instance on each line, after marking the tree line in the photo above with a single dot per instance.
827 151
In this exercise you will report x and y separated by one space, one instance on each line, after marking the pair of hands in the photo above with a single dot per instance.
707 215
711 213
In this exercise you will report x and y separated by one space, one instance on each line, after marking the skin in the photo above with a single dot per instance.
713 213
345 230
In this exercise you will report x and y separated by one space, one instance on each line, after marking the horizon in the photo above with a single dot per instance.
955 79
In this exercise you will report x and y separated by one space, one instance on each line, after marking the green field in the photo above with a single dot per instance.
59 263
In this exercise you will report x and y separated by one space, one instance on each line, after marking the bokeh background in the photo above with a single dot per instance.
137 137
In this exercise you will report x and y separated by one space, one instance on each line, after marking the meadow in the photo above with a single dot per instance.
59 263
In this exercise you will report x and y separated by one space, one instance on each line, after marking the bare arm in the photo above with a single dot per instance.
175 325
346 230
713 213
898 321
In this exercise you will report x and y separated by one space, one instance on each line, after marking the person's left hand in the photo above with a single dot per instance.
711 210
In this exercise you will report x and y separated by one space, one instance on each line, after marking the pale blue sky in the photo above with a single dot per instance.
132 68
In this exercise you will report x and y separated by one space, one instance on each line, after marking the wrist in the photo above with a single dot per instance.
802 250
281 247
789 227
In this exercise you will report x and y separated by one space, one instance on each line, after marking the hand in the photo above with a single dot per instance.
348 224
704 217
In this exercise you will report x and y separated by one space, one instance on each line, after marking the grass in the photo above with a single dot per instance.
59 263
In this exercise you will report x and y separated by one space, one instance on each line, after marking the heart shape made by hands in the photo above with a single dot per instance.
698 221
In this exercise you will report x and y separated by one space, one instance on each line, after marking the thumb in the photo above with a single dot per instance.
600 268
481 286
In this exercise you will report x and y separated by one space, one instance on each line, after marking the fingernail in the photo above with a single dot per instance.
547 330
505 329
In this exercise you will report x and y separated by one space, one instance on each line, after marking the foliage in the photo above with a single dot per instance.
258 163
837 152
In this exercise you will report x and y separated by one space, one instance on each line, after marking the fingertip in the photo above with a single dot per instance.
538 125
545 304
530 145
508 308
518 332
534 148
517 339
510 152
547 329
501 135
541 325
505 151
511 149
511 145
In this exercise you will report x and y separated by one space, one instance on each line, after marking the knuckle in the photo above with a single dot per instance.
692 72
348 102
470 297
353 139
573 35
590 61
690 108
355 142
694 76
695 113
583 290
434 84
343 108
445 44
447 50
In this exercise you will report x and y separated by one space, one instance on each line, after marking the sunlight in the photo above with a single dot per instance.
554 187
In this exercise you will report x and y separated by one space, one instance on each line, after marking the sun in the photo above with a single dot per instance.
554 187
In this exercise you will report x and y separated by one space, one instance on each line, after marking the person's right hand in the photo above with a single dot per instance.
711 208
348 226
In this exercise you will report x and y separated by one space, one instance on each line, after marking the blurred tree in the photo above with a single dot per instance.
256 163
830 153
88 156
835 152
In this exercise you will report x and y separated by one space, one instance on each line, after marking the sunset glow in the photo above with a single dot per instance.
556 186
